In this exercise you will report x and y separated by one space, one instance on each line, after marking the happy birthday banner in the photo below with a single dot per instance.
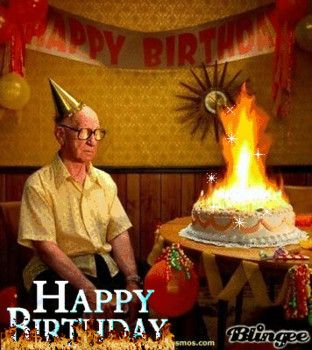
229 39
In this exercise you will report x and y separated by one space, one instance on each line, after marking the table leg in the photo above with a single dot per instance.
222 316
271 290
239 307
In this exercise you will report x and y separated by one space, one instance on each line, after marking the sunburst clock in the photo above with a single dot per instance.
205 99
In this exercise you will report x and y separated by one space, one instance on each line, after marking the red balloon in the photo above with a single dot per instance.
291 11
8 298
28 11
174 297
6 27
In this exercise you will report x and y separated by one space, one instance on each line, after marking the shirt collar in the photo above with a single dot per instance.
92 173
62 174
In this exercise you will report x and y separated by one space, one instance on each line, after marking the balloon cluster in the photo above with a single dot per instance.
26 13
22 20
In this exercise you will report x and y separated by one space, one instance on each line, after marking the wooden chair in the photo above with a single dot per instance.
300 197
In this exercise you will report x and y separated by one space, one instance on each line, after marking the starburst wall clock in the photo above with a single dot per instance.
204 98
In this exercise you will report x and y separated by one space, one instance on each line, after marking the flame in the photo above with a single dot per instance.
88 339
244 147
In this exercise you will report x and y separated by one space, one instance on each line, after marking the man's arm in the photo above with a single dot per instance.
123 255
59 262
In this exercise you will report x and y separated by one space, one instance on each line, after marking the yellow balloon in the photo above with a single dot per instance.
14 91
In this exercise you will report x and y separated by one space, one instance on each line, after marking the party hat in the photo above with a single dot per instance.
65 104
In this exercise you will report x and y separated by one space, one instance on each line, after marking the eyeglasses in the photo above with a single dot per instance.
86 133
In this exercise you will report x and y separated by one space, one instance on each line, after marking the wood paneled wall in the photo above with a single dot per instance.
150 197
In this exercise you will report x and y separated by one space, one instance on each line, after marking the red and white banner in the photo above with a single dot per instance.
229 39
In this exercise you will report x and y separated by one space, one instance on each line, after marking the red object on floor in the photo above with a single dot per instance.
174 297
8 298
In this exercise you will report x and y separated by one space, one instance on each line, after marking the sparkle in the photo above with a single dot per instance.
211 177
231 138
229 109
258 154
239 222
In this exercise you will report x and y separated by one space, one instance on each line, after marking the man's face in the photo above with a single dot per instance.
74 149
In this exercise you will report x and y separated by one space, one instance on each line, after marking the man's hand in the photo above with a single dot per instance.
51 254
134 304
107 308
124 257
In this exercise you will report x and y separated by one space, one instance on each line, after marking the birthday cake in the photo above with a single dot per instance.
237 228
245 208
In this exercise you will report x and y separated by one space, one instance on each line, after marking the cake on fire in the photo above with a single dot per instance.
245 208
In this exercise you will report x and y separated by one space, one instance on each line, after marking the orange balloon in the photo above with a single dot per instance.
174 297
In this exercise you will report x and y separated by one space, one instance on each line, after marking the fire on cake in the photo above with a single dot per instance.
245 208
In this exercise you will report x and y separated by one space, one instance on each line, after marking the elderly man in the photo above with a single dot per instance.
71 215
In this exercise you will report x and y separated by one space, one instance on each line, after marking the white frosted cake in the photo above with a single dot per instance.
245 208
237 228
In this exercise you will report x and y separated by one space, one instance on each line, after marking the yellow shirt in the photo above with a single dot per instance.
80 219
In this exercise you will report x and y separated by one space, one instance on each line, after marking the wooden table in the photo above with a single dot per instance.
229 259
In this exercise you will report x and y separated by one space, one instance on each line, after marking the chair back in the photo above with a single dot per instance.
300 197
